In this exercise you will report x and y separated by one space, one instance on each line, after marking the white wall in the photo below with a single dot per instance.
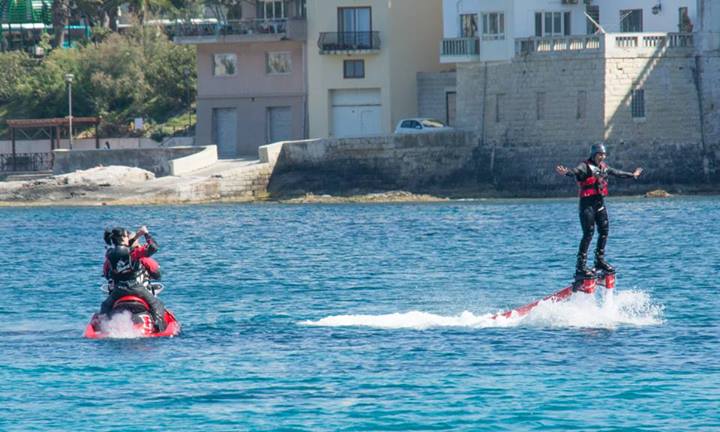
43 146
520 18
665 21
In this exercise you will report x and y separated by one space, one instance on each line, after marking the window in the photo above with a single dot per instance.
278 63
631 21
355 27
410 124
593 11
552 23
493 26
499 107
224 64
272 9
540 105
301 8
450 107
581 105
468 26
354 20
637 105
354 69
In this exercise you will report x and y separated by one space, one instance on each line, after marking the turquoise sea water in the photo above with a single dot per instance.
368 317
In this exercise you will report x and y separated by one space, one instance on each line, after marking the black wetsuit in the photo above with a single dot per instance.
592 208
129 283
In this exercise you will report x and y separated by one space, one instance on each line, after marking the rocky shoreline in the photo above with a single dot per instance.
125 186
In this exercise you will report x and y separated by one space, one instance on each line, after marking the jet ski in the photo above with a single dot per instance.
130 317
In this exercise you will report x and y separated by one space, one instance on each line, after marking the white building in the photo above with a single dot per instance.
486 30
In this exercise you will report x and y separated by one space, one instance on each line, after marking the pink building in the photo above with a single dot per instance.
252 79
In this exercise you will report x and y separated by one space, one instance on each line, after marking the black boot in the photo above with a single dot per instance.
159 323
601 264
581 270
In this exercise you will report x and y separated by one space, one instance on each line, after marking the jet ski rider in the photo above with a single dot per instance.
592 177
124 267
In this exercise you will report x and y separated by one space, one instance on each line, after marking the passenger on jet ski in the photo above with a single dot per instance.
125 268
149 264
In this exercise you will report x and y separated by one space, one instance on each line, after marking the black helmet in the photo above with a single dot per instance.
597 148
114 235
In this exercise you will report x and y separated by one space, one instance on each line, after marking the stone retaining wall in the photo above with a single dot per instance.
156 160
410 162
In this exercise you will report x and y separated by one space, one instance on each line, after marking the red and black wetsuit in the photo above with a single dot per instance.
128 276
592 181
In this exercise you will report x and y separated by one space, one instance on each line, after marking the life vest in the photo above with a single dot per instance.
596 183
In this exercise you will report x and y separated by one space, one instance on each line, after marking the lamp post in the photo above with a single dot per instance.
186 74
69 80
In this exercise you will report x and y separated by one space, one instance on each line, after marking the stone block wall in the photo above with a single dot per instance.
535 112
432 93
409 162
668 140
156 160
709 66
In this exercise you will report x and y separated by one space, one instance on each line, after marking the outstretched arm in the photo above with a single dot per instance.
578 172
625 174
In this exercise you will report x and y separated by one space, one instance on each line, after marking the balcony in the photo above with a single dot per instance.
629 45
246 30
341 43
460 50
536 45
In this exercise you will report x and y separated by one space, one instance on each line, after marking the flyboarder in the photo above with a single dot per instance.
592 177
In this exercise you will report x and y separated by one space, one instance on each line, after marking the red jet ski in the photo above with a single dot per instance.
130 317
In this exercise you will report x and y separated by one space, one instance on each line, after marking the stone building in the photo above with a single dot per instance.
652 96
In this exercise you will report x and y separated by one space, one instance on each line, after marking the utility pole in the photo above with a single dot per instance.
69 80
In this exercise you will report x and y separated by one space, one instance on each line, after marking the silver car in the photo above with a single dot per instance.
420 125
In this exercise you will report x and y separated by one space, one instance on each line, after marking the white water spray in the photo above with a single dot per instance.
632 308
120 326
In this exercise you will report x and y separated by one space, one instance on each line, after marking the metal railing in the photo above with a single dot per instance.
231 27
26 162
460 47
349 41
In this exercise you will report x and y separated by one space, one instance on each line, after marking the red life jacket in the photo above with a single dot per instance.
596 183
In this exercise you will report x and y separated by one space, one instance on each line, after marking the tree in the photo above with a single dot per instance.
60 17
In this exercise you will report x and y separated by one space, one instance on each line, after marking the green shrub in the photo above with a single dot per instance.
140 74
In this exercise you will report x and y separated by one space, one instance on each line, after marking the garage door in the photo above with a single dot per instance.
356 112
279 124
225 131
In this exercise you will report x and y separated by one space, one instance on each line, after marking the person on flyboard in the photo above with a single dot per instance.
592 178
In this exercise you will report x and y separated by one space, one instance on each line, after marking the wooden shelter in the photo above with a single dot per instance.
53 128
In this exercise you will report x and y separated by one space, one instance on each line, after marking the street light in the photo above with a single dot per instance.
186 73
69 80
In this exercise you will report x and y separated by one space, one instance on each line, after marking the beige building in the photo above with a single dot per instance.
251 75
363 58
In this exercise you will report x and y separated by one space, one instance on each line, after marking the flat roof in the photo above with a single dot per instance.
62 121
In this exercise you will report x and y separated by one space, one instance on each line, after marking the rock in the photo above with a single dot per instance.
658 193
106 176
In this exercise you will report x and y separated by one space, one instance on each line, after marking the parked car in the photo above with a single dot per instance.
420 125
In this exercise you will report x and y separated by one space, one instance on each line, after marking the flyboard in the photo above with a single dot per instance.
581 284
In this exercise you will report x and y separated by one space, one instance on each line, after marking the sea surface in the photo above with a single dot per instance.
368 317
